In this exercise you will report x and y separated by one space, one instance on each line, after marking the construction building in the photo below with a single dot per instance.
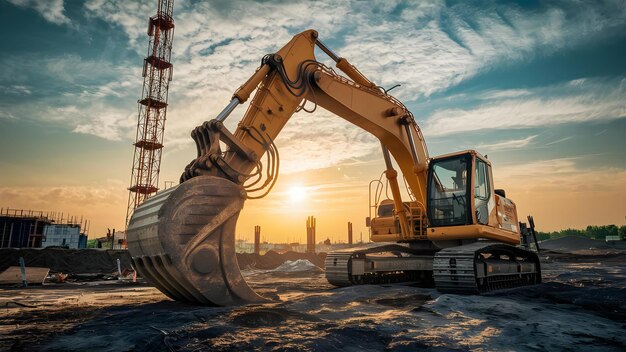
113 240
64 235
20 228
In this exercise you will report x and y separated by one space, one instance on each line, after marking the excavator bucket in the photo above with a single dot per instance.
182 241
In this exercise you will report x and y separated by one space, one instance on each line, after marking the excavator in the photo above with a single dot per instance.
456 231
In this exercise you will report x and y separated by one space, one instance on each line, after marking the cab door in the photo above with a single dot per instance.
482 191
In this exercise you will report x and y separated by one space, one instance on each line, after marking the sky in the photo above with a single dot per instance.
540 87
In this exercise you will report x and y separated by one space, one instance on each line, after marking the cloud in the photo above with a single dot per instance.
90 96
319 140
507 145
506 93
6 115
560 140
68 71
427 47
131 16
108 124
15 90
93 201
577 82
561 175
52 10
538 169
416 51
560 193
430 53
543 107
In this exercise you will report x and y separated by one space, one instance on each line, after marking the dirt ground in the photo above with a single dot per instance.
37 313
580 305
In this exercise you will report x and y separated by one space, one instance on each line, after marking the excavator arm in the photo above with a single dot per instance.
283 82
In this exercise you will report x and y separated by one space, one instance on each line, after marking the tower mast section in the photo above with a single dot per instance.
152 107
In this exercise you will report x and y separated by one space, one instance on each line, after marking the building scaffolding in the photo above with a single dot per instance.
26 228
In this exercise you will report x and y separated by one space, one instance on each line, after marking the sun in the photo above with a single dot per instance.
297 193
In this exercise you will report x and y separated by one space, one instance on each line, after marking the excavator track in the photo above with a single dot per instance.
376 264
484 266
337 266
468 269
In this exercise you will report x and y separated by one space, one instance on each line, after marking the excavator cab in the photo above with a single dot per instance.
449 191
462 201
460 190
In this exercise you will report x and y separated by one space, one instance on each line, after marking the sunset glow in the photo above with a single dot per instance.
298 194
539 87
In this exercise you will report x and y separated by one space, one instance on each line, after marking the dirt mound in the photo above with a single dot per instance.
296 266
272 259
576 243
70 261
93 261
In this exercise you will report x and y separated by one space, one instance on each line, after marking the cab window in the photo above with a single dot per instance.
481 191
481 182
448 191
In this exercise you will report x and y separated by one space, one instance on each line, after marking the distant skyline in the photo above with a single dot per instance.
540 87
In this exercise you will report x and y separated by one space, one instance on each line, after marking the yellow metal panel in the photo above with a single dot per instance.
472 232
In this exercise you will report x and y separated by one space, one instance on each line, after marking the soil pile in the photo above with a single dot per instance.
576 243
94 261
69 261
272 259
300 265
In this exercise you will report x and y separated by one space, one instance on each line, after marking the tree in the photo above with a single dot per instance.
622 232
612 230
592 231
572 232
541 236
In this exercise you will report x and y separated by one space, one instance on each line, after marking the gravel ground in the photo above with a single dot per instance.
580 306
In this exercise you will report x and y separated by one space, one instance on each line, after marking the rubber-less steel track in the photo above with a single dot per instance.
484 266
339 265
468 269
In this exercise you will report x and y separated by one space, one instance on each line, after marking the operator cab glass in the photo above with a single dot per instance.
482 192
448 191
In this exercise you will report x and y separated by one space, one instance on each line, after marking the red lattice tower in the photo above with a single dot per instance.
157 73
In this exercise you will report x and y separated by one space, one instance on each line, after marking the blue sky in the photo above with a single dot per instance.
538 86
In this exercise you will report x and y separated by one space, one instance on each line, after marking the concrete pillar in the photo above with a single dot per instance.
257 239
349 232
310 234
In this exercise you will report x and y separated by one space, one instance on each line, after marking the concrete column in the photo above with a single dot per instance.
349 233
310 234
257 239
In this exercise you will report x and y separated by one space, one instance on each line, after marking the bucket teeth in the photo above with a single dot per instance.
183 242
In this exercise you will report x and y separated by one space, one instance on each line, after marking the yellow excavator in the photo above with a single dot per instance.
456 232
